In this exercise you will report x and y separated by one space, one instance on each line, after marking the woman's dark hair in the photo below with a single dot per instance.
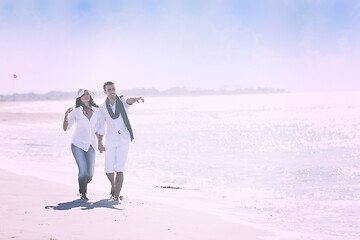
79 103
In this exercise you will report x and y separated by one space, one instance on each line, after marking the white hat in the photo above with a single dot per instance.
81 92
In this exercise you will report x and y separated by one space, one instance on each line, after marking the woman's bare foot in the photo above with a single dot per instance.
83 196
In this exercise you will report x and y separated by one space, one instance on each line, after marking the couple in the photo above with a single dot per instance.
89 121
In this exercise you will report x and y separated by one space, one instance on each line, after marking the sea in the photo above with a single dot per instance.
287 162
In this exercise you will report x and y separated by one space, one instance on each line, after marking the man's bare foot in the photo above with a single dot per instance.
118 198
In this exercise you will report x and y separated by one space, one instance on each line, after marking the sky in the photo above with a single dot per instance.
64 45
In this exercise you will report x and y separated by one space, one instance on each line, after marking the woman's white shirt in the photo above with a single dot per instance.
85 129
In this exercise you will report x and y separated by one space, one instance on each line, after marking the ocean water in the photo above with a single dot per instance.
282 161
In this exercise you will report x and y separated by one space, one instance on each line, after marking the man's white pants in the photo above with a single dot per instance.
116 153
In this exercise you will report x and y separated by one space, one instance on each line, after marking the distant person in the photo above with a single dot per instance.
83 144
118 135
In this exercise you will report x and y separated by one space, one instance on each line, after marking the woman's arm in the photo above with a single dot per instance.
66 118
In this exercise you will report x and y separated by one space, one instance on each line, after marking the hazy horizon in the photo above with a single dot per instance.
302 45
175 91
190 92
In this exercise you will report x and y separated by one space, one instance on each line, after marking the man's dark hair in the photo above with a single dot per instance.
107 83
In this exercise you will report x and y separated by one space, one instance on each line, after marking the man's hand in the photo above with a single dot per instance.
135 99
101 147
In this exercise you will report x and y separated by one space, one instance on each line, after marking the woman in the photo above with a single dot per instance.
83 143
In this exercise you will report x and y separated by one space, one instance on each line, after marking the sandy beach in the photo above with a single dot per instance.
32 208
240 172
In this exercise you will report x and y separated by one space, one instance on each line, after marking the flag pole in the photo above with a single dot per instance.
13 89
14 77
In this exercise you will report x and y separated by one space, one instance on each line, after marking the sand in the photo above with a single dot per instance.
37 208
32 208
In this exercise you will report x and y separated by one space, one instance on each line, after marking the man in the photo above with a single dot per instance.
118 133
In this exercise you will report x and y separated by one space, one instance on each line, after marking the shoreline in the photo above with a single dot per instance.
49 210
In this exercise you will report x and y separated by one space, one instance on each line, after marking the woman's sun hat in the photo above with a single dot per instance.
81 92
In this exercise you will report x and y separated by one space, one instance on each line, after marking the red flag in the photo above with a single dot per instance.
14 75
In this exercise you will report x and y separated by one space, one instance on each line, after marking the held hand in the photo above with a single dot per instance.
101 147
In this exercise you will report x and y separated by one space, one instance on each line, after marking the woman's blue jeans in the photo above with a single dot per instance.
86 164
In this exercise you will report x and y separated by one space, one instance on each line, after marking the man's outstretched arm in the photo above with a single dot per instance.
132 100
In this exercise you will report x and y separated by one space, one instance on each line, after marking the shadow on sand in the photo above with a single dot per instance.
86 205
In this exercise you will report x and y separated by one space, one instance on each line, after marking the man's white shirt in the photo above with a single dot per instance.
116 128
